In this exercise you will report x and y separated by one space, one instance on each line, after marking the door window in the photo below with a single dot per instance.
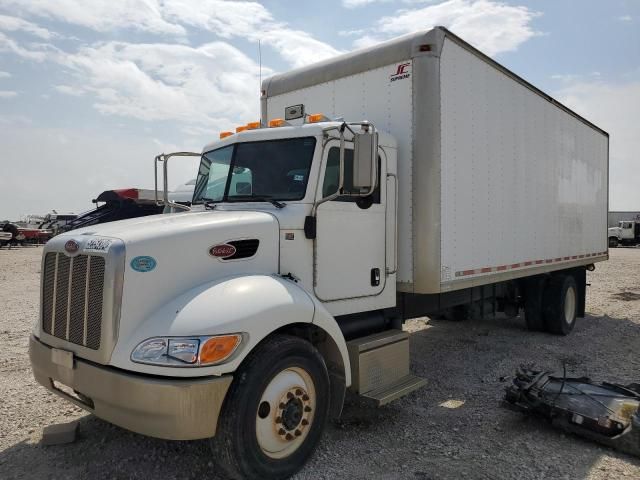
332 178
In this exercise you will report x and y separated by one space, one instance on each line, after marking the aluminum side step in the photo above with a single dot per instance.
380 367
393 391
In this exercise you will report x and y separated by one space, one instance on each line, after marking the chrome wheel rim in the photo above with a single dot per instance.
285 412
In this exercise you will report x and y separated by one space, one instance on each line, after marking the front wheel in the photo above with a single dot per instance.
275 411
613 242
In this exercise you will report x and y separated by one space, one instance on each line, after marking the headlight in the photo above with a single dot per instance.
186 352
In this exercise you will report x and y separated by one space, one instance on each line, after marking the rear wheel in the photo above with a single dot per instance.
275 411
561 304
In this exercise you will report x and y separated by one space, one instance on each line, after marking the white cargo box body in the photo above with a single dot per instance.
496 179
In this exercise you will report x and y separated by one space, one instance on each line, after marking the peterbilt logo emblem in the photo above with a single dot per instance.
402 71
71 246
223 250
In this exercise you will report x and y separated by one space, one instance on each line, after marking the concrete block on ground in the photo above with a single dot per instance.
59 434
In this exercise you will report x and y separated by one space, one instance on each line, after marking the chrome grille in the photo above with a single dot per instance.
72 291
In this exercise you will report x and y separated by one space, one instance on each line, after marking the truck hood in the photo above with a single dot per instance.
173 225
167 255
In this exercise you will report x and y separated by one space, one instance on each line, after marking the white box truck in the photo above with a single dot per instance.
417 177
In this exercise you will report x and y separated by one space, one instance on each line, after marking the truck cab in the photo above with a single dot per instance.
147 322
626 233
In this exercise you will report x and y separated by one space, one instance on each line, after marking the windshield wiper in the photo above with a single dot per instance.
257 198
209 202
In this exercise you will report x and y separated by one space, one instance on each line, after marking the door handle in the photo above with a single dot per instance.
375 277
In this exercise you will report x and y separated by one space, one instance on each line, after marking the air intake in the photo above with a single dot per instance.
244 248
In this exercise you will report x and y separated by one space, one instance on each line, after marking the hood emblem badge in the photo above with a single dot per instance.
71 246
223 250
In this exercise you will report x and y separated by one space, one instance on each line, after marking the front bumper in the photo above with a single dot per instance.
170 408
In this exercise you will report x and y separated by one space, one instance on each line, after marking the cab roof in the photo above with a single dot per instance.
290 131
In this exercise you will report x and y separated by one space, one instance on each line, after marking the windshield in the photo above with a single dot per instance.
273 169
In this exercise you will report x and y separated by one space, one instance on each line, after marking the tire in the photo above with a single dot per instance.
533 301
613 242
275 411
560 304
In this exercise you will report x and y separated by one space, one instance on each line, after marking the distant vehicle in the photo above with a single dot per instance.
23 235
56 220
117 204
5 238
183 194
626 233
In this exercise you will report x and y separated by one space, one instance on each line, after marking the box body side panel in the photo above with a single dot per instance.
524 183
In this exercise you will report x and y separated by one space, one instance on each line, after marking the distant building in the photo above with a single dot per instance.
615 217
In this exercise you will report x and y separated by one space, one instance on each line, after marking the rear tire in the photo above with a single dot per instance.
275 411
561 304
533 301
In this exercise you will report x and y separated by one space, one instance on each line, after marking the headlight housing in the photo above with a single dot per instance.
186 351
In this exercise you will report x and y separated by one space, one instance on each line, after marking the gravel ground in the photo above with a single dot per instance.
414 438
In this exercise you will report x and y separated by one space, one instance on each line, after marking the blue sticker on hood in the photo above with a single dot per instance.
143 264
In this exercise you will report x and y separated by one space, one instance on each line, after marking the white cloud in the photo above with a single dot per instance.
226 19
491 26
38 53
190 91
69 90
298 48
203 88
349 33
359 3
13 24
252 21
575 77
625 18
100 15
613 107
8 93
367 41
5 74
207 85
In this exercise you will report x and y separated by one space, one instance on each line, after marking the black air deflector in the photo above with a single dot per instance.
244 248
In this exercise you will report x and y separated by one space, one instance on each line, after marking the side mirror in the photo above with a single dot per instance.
365 152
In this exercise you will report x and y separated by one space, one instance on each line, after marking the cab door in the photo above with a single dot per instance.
349 251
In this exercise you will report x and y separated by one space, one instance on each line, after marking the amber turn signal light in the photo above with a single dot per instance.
277 122
217 349
316 117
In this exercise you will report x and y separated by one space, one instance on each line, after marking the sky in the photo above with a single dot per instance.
92 90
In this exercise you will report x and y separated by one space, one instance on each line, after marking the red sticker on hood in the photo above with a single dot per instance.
223 250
